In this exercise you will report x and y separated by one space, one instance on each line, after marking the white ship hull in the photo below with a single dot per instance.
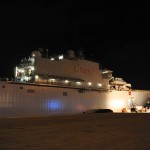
28 99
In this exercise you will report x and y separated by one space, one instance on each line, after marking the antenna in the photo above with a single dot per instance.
47 53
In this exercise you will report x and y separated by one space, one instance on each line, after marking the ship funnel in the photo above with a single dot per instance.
36 54
70 54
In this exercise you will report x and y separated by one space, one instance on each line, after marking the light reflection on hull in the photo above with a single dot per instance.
41 100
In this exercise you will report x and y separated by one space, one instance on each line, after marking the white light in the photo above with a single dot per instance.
52 58
66 81
16 70
99 84
104 72
78 83
89 83
36 76
61 57
52 80
22 71
32 68
117 103
26 78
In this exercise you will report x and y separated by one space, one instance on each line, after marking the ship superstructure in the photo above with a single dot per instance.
65 84
67 70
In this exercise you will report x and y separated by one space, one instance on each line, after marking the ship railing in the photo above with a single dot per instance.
73 86
85 88
26 64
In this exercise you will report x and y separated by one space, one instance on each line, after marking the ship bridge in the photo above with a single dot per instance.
61 69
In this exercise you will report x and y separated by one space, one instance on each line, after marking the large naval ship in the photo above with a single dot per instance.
66 83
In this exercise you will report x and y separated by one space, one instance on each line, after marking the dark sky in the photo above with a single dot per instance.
116 35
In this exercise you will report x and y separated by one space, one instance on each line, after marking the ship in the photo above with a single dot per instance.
64 84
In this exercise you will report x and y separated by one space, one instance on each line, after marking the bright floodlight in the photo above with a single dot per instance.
61 57
99 84
89 83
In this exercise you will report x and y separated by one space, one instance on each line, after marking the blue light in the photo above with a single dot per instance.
54 105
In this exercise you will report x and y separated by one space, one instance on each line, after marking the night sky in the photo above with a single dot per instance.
117 35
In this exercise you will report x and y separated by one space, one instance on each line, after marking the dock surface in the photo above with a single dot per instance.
104 131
